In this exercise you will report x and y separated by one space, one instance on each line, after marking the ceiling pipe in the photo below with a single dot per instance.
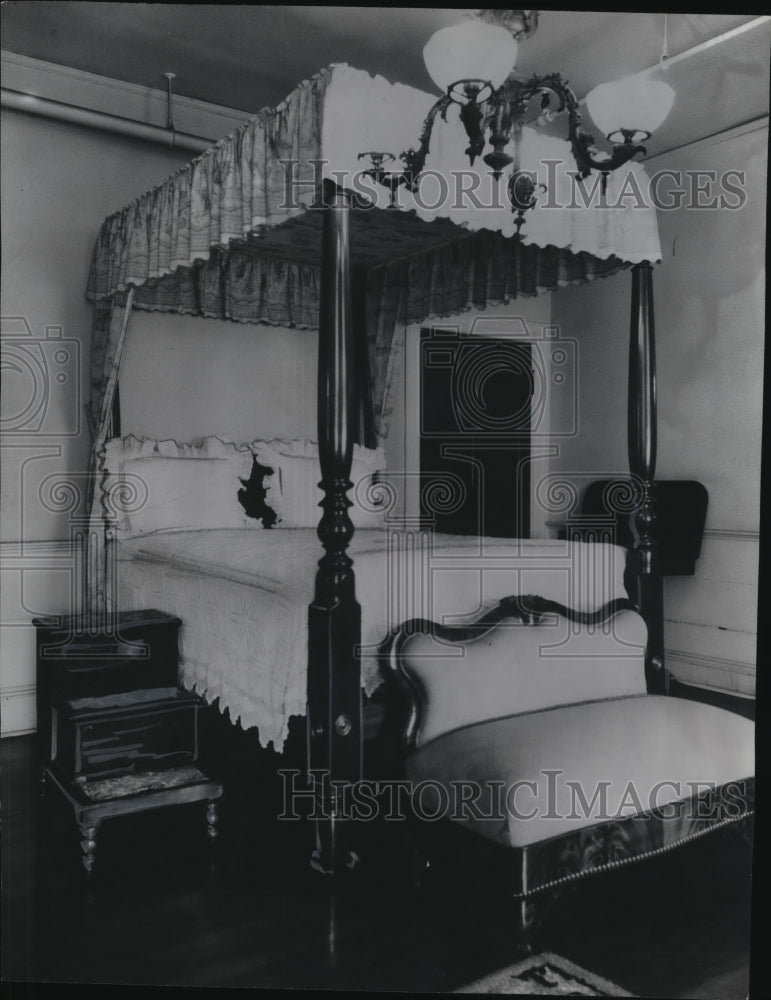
60 111
726 36
100 120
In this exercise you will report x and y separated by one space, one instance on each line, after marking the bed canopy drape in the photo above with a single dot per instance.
234 234
279 223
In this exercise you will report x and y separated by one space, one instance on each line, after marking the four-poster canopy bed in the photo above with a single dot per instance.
270 226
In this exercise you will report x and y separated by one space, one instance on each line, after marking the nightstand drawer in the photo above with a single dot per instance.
106 669
125 734
132 651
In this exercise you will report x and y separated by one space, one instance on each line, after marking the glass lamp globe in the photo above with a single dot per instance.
636 104
472 50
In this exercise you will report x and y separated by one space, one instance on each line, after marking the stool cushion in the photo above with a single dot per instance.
542 775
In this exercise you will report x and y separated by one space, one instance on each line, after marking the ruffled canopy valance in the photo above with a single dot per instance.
254 193
235 234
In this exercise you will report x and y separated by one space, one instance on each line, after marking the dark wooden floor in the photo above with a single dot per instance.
158 912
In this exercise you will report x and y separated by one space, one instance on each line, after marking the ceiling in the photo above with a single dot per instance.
247 57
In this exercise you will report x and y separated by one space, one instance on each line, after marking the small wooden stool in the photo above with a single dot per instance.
105 798
117 733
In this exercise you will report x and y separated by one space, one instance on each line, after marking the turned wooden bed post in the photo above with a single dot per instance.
642 464
334 619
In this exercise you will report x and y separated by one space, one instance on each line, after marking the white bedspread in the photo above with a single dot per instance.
243 597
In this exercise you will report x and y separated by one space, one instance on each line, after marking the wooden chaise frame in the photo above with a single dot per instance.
528 609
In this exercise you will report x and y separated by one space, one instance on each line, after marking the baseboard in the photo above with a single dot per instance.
732 677
19 714
37 577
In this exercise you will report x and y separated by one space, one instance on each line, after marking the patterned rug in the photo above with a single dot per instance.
545 975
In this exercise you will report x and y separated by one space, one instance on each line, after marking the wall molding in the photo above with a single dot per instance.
732 534
713 662
19 691
720 628
92 92
723 534
38 548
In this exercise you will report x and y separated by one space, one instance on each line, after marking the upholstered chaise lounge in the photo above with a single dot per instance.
532 732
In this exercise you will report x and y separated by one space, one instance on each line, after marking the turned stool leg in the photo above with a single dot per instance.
88 844
212 814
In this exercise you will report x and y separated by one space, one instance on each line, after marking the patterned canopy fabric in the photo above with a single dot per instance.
257 189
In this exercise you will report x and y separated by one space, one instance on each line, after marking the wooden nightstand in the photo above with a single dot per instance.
116 733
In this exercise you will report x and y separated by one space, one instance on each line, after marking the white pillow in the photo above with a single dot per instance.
162 485
293 490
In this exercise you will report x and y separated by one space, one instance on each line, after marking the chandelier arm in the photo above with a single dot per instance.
588 158
502 116
378 172
415 159
582 142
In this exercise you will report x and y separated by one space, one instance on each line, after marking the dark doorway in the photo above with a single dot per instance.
475 411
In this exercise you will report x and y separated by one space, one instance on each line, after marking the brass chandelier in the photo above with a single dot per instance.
472 63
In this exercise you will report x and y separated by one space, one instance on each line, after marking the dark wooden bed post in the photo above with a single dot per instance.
642 463
334 621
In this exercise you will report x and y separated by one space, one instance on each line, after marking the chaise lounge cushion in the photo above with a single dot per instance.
623 762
